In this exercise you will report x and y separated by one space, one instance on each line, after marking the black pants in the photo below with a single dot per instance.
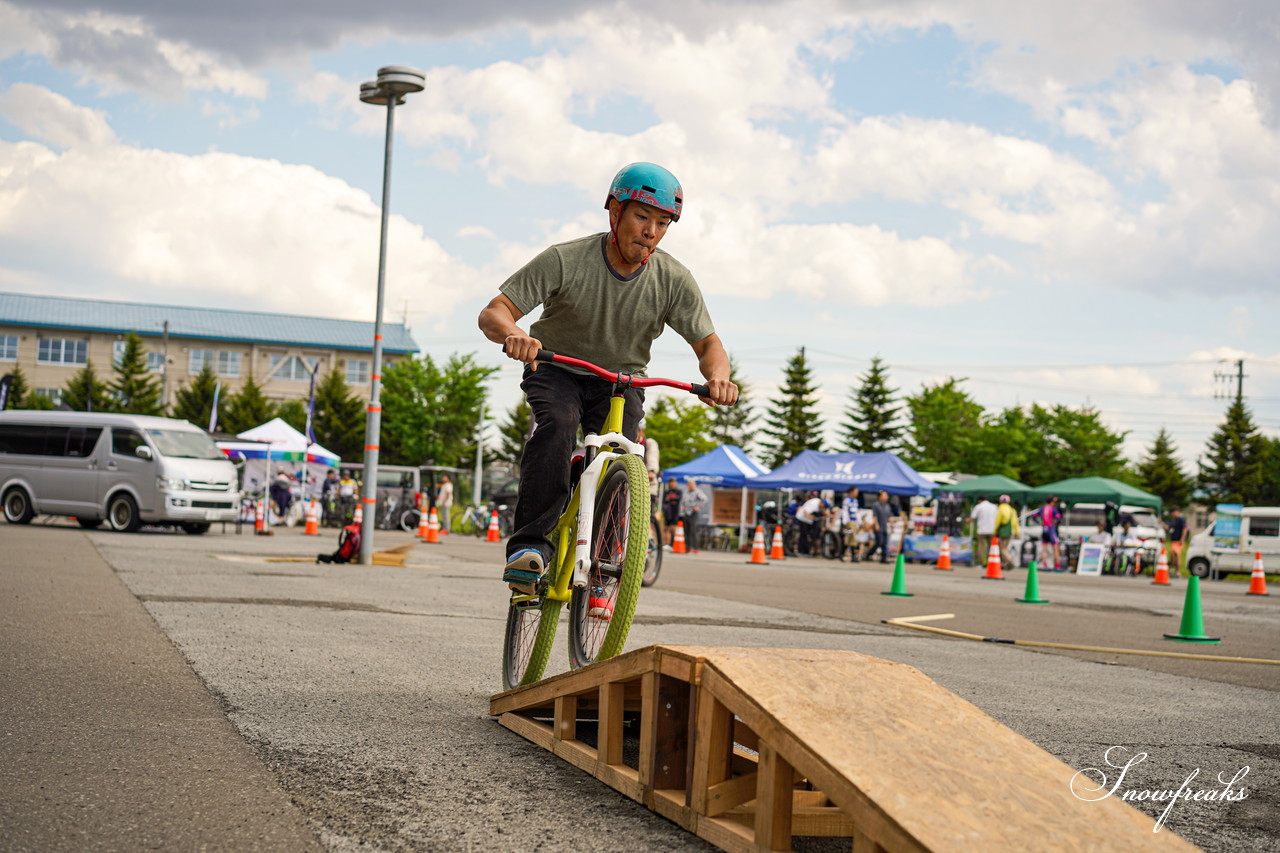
561 402
810 532
881 545
691 531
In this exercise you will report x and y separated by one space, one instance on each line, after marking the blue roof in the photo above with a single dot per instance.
813 469
95 315
727 465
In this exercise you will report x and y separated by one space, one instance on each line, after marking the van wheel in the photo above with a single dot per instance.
89 523
195 528
122 514
1199 567
17 506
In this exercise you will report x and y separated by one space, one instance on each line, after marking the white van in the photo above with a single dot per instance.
1219 554
125 469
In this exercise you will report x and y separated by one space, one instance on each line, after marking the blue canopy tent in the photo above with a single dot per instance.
813 469
727 466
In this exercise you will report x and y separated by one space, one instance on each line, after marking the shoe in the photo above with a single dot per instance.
524 569
599 607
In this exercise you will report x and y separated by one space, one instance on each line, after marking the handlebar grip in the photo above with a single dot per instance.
700 390
545 355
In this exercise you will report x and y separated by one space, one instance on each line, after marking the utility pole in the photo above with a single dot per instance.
164 370
475 486
1238 376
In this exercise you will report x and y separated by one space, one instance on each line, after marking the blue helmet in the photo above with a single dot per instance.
649 183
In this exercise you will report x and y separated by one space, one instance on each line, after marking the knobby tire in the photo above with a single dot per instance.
620 536
653 557
531 631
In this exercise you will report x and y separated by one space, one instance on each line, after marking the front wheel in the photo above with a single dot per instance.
600 615
122 514
531 630
653 558
1199 567
409 520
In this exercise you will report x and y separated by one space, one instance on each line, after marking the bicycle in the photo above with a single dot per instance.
653 557
602 546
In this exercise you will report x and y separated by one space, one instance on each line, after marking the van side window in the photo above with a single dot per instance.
1264 526
82 440
27 439
125 441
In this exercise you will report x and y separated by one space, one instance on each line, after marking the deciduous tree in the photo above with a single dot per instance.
429 412
681 428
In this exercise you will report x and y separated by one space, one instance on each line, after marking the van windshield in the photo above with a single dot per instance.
183 444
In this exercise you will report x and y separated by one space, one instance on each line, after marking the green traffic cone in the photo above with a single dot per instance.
899 586
1192 630
1032 594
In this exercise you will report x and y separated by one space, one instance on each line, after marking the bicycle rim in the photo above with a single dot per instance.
653 556
619 545
531 631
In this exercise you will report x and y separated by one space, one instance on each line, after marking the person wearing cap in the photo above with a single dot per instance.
1006 530
984 527
604 298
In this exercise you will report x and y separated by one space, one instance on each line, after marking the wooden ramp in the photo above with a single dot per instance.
750 747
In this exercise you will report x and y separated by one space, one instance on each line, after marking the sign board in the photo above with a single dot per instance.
1226 527
726 506
927 548
1091 556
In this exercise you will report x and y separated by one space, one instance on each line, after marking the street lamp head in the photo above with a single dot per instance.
372 93
401 79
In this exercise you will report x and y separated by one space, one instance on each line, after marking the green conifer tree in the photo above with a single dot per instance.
19 390
732 424
339 420
792 422
871 420
1160 472
194 401
85 392
1231 470
136 390
246 409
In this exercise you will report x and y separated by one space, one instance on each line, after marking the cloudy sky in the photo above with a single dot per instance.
1064 203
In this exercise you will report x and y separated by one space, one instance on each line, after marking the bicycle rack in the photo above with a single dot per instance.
749 748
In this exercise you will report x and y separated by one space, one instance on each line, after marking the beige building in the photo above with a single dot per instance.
53 337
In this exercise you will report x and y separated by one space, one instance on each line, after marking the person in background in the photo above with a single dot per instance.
881 511
1050 517
444 503
691 502
849 523
984 520
651 463
281 494
1006 530
810 514
670 510
1177 529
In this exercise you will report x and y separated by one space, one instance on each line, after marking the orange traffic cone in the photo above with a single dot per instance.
757 547
944 556
677 544
313 520
993 562
494 534
259 517
776 550
358 518
1258 580
433 528
1162 569
424 525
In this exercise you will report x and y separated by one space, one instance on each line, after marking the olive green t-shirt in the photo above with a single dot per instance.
592 313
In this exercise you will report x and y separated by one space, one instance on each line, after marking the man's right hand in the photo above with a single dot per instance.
522 347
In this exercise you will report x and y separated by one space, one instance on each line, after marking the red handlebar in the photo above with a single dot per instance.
638 381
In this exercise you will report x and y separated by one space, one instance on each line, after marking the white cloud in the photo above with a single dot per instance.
54 118
213 229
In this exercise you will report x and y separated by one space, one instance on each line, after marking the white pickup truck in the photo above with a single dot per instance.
1217 552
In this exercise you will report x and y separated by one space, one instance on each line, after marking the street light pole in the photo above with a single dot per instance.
393 83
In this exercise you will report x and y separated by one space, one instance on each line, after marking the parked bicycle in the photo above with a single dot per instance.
602 545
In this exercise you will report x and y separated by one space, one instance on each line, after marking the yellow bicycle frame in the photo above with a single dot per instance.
569 546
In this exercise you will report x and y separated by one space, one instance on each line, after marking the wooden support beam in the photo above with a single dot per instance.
612 706
773 800
712 750
565 722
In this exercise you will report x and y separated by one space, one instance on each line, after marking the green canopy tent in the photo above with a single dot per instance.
990 486
1097 490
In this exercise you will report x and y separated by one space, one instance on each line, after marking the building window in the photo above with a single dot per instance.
292 367
62 351
228 363
54 394
155 362
8 347
117 352
357 371
197 358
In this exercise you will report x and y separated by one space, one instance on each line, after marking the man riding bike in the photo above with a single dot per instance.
604 298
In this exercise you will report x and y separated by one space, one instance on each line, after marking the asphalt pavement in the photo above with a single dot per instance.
175 692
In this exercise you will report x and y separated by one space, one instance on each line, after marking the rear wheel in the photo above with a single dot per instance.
122 514
409 520
653 558
1199 567
600 615
531 630
17 506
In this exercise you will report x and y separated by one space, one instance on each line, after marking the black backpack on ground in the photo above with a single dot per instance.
348 546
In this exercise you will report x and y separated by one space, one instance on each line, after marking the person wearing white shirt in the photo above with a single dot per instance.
810 517
984 519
